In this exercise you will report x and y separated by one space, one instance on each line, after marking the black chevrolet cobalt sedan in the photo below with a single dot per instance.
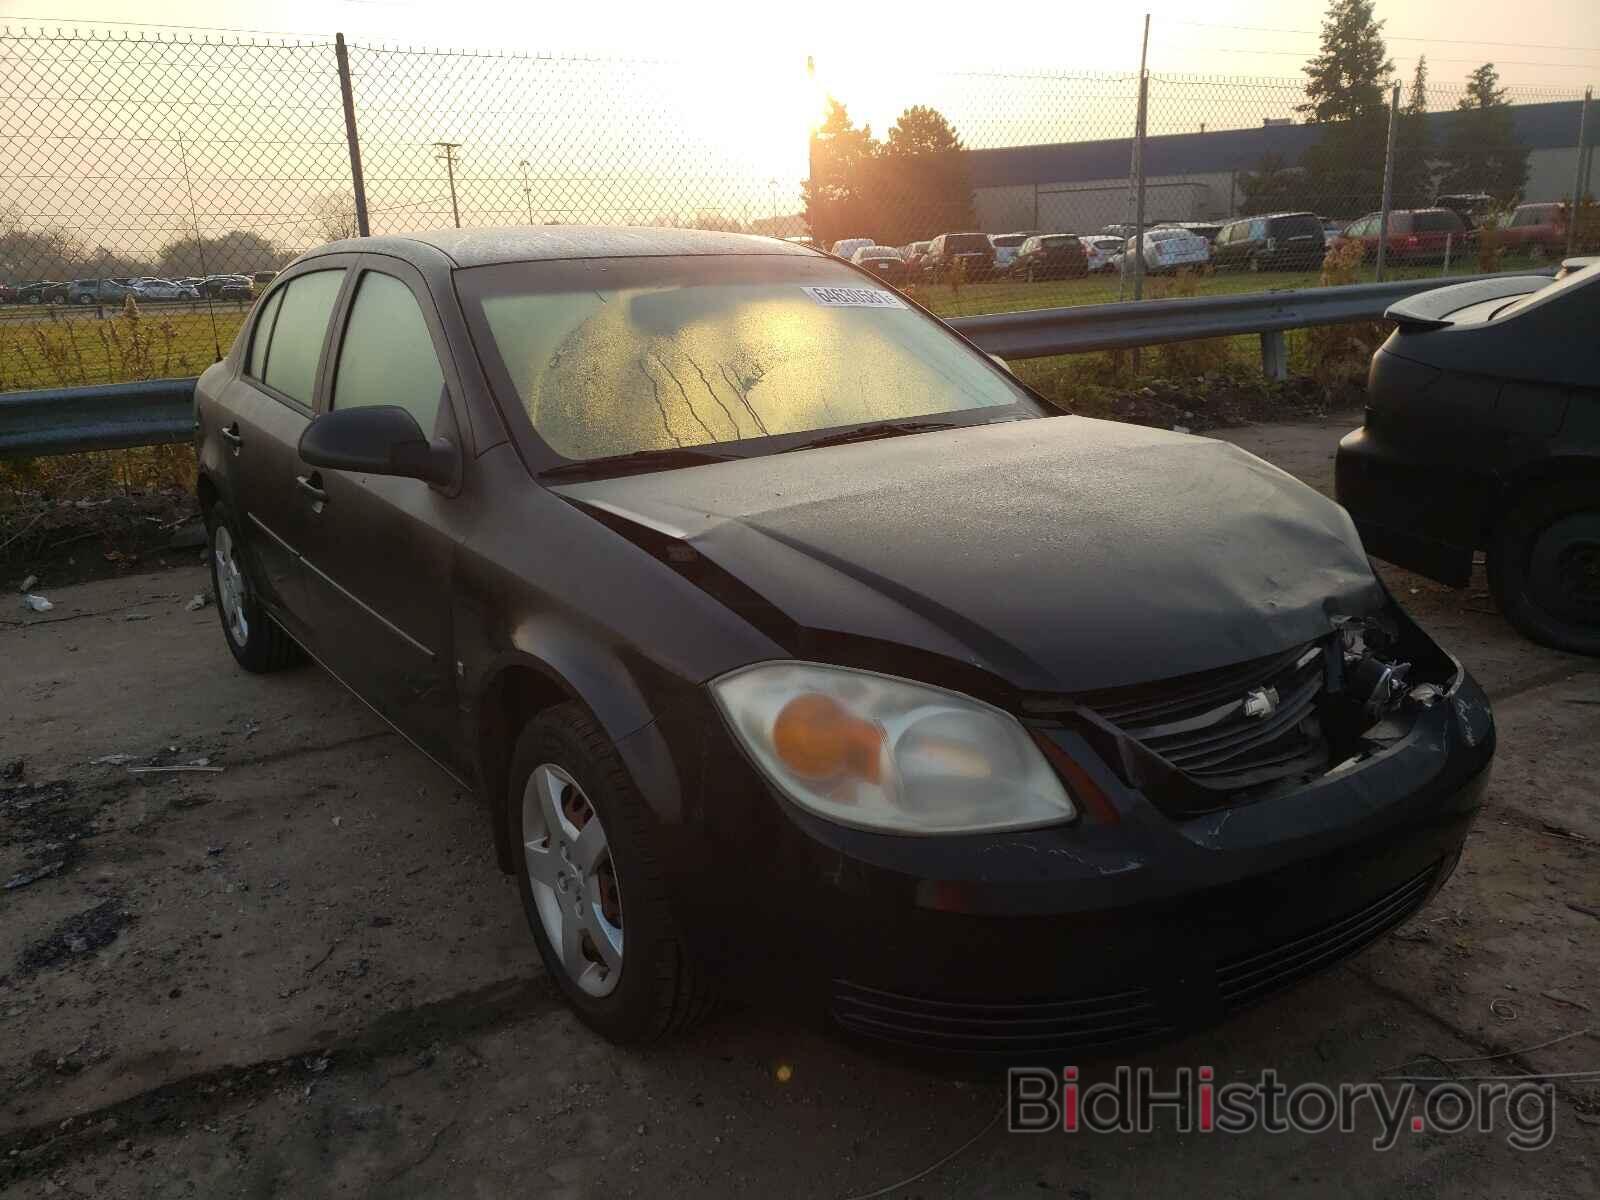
784 633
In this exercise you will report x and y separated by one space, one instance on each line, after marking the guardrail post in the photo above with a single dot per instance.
1274 355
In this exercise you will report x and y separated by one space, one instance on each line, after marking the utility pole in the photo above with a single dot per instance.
448 153
527 192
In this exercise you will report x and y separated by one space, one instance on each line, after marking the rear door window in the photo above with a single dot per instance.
256 367
1286 227
387 356
299 332
1437 222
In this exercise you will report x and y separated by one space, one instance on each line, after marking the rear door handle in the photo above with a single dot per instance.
230 434
311 485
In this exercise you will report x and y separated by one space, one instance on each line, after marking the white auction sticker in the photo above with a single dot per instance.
851 297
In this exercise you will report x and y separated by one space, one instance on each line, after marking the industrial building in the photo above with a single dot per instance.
1083 186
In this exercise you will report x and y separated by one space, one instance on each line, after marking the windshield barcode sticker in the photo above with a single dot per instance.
849 297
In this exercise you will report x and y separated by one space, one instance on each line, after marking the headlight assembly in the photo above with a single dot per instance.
888 754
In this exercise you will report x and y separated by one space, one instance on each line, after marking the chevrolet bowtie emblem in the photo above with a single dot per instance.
1260 702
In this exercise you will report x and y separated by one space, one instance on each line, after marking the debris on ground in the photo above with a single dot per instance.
29 583
82 933
112 760
199 764
1569 1001
189 536
12 770
137 616
199 601
23 878
36 603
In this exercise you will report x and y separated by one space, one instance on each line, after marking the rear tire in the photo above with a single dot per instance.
257 644
1544 566
564 767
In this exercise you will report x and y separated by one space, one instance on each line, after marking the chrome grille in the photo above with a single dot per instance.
1203 724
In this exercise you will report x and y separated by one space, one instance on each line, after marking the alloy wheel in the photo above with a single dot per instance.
230 586
574 881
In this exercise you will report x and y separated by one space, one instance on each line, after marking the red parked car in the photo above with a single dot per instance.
1415 234
1541 228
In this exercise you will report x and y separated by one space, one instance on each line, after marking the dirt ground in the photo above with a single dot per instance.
297 971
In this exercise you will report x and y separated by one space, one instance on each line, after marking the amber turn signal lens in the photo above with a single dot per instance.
816 737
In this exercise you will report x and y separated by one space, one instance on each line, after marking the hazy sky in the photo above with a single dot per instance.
717 120
1534 42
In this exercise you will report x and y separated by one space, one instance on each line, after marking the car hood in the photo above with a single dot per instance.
1059 555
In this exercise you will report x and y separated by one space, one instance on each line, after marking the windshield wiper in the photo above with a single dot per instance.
638 460
866 433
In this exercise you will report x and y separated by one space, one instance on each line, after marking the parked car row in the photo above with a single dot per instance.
113 290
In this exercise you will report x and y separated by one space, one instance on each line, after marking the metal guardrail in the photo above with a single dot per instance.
160 411
151 412
1038 333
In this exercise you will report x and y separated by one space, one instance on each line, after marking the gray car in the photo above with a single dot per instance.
98 291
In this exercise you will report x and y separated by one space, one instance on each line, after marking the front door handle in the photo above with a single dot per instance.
311 485
231 435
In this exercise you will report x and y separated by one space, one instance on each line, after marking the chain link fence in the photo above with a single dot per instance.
181 172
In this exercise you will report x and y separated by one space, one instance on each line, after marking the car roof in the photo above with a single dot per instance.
549 243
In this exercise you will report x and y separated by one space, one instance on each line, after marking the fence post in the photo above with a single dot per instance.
1388 181
1577 178
1138 208
358 184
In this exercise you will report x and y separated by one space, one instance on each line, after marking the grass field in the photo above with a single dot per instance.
41 347
75 350
976 299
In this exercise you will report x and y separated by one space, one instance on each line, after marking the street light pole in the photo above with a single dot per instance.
449 155
527 192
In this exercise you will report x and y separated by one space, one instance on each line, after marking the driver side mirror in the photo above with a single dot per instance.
379 440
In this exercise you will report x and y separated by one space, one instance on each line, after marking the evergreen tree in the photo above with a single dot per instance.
1482 152
1413 149
1345 93
921 186
1344 82
836 194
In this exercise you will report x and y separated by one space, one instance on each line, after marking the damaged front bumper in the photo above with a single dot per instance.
1137 920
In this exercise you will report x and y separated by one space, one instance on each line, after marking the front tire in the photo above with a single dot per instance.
1544 566
257 644
591 884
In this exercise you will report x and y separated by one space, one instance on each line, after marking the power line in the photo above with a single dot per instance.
59 23
1395 37
1499 62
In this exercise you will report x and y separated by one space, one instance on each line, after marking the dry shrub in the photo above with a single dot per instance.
1587 238
1491 249
125 347
1338 356
1188 358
